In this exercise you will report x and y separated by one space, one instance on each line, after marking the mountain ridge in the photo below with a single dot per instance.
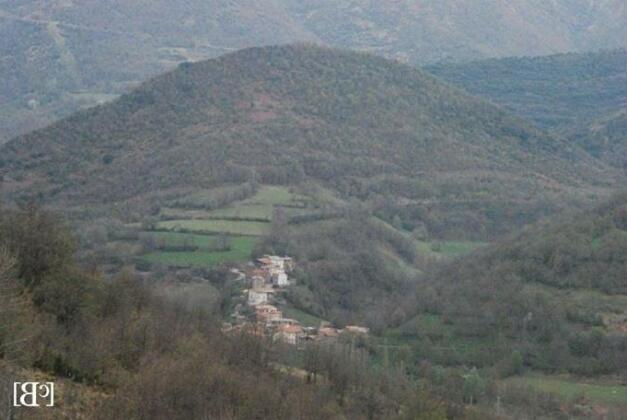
357 123
562 92
63 56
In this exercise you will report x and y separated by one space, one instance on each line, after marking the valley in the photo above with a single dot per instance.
446 257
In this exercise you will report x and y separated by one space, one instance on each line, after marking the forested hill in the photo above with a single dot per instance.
581 251
61 56
557 290
558 92
357 123
606 139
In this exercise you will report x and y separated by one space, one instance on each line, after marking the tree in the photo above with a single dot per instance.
7 378
64 294
40 242
223 242
9 302
473 386
313 361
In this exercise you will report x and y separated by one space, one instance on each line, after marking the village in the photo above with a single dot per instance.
264 281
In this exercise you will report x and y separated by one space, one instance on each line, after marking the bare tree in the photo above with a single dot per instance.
8 302
8 294
7 411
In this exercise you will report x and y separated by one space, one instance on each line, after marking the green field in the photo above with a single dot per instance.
275 195
304 318
611 308
437 248
260 207
454 248
202 241
243 220
447 248
570 388
448 346
241 249
216 226
180 213
252 211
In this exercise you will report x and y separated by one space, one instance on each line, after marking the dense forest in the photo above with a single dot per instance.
606 138
561 92
286 115
346 270
552 294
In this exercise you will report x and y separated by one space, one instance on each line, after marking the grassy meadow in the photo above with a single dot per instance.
244 221
241 248
571 388
231 227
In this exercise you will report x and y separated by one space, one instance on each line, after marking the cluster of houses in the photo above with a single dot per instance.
267 278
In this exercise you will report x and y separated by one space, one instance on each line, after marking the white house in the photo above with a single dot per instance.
257 298
274 261
355 329
289 334
279 278
258 282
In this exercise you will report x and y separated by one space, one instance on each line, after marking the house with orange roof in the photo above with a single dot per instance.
289 334
355 329
267 313
328 332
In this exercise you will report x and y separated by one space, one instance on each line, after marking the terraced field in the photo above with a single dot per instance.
571 388
250 211
215 226
201 241
273 195
243 221
241 249
447 248
306 319
251 218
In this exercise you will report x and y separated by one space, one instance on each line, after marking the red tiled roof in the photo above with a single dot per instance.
291 329
328 332
266 308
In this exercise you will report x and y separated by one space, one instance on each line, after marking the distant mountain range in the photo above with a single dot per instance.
582 97
359 124
61 55
563 92
422 31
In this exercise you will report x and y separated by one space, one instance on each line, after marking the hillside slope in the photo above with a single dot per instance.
560 92
423 31
606 139
59 56
362 125
556 292
64 56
